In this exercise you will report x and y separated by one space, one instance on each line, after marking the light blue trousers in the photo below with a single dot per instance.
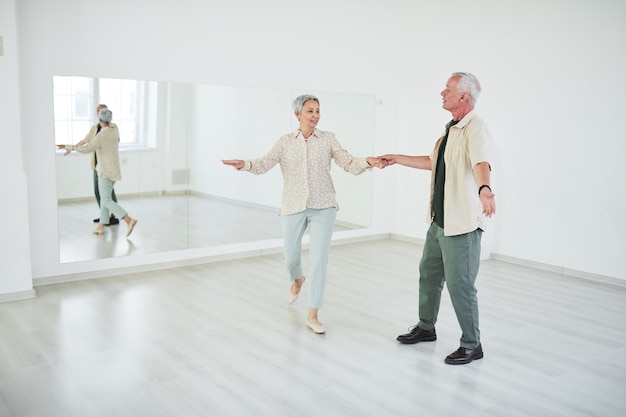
455 260
96 188
107 205
321 223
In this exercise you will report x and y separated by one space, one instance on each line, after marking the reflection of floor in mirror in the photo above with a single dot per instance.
163 226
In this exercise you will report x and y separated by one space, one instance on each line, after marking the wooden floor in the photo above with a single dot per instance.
219 340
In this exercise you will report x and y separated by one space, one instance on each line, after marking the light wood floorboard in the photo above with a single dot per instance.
219 340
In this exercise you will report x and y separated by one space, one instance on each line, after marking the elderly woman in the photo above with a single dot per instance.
308 197
108 168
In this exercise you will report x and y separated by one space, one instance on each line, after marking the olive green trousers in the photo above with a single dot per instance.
455 261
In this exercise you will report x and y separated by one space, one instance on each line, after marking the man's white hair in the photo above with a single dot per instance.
468 83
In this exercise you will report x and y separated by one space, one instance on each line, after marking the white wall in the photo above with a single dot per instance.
553 86
15 244
552 74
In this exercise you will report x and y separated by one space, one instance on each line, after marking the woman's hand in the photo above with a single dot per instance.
237 163
376 162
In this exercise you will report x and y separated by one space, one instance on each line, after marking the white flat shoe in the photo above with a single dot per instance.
293 297
131 226
317 328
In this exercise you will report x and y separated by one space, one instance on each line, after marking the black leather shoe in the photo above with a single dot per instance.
417 334
112 221
464 355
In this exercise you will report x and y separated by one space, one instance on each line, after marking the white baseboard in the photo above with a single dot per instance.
603 279
60 279
268 248
18 296
408 239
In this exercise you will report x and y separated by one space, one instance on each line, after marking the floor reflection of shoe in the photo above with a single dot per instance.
113 220
131 226
97 231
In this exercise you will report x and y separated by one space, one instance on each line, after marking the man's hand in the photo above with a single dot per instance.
488 202
67 150
389 159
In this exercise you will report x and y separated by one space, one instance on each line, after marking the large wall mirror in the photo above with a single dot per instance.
173 137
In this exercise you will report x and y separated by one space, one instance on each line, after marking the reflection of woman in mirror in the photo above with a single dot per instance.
308 196
105 144
95 129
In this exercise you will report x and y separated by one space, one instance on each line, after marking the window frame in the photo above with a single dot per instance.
74 118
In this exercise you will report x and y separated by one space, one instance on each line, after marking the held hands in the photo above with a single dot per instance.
376 162
390 159
236 163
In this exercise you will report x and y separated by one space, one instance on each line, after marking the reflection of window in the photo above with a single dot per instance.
76 99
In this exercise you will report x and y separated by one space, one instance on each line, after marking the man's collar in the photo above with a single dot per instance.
466 119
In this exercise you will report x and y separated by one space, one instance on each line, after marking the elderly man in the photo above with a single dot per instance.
460 199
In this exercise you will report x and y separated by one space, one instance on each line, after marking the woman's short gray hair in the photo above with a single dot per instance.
105 115
298 103
468 83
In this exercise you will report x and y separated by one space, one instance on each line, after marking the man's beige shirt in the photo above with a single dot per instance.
469 142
